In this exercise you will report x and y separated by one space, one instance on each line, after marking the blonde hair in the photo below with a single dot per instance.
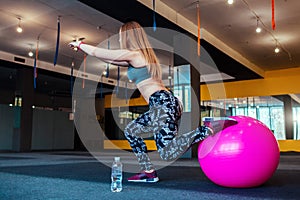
134 37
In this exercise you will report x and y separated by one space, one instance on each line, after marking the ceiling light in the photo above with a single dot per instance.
277 49
19 28
230 2
30 53
258 29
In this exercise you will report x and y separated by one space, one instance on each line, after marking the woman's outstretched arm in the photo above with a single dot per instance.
114 56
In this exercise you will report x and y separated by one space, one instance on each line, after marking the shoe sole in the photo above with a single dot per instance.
150 180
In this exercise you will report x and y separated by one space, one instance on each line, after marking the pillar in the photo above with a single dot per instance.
288 116
23 111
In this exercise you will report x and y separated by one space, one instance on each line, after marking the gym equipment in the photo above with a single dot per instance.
241 156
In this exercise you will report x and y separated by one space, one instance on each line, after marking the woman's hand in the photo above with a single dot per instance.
75 45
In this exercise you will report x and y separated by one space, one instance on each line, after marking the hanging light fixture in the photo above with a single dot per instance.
30 53
19 28
258 29
230 2
277 49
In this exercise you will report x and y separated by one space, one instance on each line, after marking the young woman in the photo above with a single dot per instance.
164 108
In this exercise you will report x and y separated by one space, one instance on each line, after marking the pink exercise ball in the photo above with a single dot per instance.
241 156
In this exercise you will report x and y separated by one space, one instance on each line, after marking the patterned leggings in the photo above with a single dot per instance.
161 121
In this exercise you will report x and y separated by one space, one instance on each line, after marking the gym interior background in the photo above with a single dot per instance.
36 111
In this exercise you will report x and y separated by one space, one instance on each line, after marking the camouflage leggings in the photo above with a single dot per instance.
161 122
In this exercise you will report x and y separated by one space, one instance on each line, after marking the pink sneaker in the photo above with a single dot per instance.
144 177
217 124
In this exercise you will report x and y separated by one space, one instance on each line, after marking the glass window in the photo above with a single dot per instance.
296 122
277 122
187 98
267 109
264 115
240 111
252 112
182 88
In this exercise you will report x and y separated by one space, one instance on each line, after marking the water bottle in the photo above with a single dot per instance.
116 175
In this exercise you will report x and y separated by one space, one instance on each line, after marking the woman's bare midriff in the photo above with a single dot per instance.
149 86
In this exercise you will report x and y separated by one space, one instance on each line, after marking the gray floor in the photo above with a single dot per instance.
78 175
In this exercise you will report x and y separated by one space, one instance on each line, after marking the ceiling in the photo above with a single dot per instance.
235 25
97 21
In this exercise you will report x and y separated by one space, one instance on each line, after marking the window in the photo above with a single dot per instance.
182 87
277 122
268 110
296 122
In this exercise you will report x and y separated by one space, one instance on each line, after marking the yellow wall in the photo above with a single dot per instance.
289 145
112 101
284 145
123 144
276 82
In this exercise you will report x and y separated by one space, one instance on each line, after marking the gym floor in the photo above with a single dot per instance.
78 175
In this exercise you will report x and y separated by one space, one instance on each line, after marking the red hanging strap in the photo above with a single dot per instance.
273 14
198 19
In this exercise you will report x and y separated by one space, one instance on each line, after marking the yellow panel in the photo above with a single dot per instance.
289 145
275 83
284 145
123 144
112 101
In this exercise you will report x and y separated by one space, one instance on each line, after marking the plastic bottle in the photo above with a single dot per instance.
116 175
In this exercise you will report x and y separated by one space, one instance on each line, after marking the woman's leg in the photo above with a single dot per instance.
133 133
182 142
144 126
169 142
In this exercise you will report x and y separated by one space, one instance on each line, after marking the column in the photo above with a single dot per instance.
195 102
288 116
185 49
23 112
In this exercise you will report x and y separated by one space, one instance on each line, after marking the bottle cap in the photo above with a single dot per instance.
117 159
